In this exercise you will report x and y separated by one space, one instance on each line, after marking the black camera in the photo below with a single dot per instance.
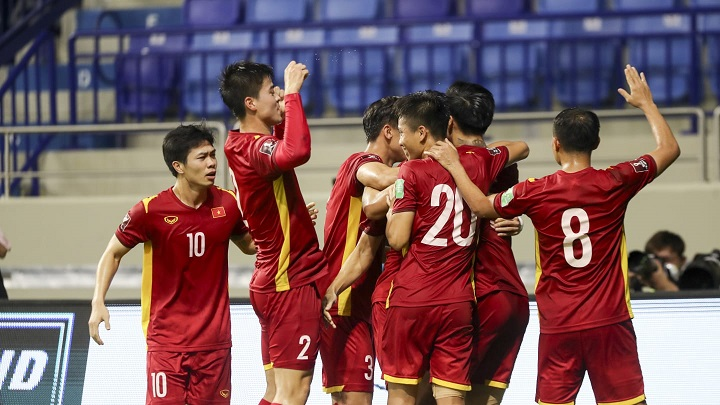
702 273
644 265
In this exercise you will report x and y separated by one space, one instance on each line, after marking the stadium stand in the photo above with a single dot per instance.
268 11
484 8
411 9
568 6
213 13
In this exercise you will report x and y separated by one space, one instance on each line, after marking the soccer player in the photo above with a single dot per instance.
186 230
283 289
347 349
582 287
502 301
429 320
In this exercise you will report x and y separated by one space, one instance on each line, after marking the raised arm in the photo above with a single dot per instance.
640 97
107 267
518 150
294 148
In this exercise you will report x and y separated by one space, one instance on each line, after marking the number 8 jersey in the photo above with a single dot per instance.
580 242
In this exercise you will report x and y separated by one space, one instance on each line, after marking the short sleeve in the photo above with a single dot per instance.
132 230
406 190
514 201
635 174
261 155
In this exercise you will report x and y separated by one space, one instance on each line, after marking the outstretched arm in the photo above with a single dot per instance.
107 267
294 149
517 150
640 97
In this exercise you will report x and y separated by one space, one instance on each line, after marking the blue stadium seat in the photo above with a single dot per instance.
436 55
339 10
424 8
568 6
481 8
88 19
703 3
586 59
635 5
709 26
210 53
510 64
661 46
213 13
147 74
259 11
357 66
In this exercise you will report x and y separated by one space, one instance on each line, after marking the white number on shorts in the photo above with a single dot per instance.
581 235
159 384
453 201
371 367
304 340
197 244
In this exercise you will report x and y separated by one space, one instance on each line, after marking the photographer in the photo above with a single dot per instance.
668 247
649 273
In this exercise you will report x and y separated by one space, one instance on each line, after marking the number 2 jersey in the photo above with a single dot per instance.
581 255
437 269
185 300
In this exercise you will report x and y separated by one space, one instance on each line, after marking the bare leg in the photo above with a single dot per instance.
401 394
292 387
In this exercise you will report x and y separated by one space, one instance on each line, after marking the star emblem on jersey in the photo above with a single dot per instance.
218 212
224 393
171 219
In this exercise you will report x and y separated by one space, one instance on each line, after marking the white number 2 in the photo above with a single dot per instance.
159 384
581 235
304 340
453 202
196 243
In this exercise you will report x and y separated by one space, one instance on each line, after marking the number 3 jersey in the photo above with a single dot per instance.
185 300
437 269
580 250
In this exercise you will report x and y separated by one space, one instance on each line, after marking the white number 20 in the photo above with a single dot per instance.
581 235
453 202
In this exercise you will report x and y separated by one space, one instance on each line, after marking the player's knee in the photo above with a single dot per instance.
440 392
485 395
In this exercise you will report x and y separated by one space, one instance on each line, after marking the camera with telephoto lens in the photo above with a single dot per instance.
644 265
702 273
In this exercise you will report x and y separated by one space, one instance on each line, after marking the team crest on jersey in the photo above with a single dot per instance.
268 146
125 222
494 151
640 165
171 219
218 212
506 197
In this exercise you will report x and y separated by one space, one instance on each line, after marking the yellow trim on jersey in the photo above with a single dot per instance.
624 265
146 202
232 193
387 300
635 400
268 366
398 380
332 390
282 281
353 224
538 265
496 384
146 285
549 403
448 384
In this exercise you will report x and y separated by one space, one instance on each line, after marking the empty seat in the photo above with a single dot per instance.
510 64
634 5
708 25
703 3
586 59
480 8
212 13
276 10
339 10
568 6
436 55
357 66
424 8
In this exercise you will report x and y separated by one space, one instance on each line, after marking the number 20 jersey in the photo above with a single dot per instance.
580 250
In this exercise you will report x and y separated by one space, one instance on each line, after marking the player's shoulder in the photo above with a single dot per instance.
154 201
223 192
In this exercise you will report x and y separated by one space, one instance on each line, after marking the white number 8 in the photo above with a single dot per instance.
581 235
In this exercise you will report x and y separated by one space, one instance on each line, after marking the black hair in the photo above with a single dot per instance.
240 80
378 114
427 108
577 130
180 141
472 107
664 239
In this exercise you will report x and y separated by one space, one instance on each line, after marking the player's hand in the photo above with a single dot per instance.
506 227
327 302
99 314
280 97
639 95
312 211
445 153
295 75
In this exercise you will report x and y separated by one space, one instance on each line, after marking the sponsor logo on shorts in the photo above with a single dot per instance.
268 146
171 219
225 393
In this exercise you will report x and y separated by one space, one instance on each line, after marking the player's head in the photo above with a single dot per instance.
422 120
189 152
247 87
471 106
667 246
577 130
380 121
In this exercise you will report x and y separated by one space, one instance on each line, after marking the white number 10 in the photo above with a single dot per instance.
197 244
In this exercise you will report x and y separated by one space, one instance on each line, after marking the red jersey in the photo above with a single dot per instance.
495 266
288 253
343 226
580 242
437 269
185 302
384 283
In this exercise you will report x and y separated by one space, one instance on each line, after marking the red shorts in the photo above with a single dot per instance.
435 337
502 319
188 377
347 356
608 353
379 315
290 323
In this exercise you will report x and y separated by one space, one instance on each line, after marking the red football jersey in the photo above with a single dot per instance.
384 283
437 269
344 223
185 302
580 242
288 255
495 266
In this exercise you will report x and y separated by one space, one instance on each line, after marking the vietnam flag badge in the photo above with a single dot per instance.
218 212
